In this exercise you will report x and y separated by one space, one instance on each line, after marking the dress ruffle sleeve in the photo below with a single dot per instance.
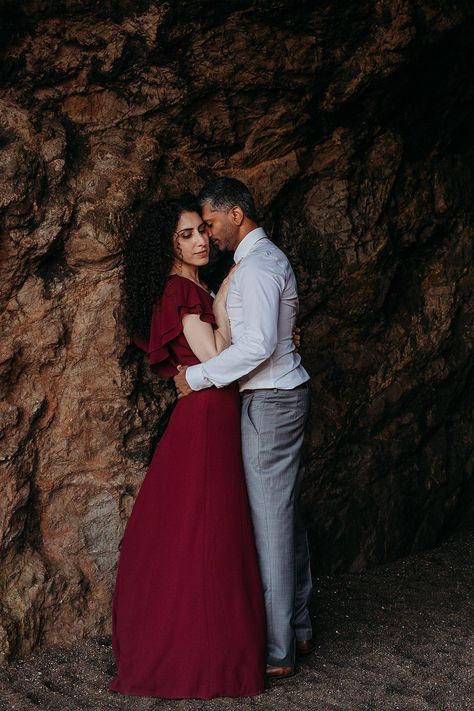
180 296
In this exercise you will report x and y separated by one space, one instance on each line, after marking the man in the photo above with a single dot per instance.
262 303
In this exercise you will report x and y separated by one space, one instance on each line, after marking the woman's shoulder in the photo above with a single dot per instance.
180 287
183 296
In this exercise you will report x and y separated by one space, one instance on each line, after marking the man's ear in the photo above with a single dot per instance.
237 215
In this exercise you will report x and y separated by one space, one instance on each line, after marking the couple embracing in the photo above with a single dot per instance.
214 579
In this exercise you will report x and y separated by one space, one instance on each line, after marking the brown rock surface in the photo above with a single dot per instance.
352 123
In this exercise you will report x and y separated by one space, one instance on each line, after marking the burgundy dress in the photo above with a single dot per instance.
188 610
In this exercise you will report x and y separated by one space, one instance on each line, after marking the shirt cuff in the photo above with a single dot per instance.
196 378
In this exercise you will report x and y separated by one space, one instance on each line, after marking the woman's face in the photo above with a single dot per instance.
191 239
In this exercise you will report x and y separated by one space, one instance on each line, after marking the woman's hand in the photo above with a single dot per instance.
221 296
297 336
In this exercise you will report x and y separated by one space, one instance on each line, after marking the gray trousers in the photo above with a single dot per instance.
272 436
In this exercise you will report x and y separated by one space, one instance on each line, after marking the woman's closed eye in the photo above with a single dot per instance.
185 234
188 232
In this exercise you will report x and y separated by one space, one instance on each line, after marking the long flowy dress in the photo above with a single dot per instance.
188 617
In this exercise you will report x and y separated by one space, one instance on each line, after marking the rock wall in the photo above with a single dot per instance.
352 123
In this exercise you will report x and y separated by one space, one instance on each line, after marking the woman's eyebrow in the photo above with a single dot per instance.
185 229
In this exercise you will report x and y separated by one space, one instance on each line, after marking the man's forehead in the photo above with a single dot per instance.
207 211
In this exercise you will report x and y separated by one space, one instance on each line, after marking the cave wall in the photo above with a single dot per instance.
352 123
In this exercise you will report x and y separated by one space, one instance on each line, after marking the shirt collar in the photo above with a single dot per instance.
248 242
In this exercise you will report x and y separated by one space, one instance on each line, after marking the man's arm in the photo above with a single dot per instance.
260 292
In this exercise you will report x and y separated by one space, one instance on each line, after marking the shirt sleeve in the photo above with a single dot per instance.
260 291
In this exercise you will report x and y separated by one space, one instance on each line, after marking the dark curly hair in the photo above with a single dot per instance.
148 258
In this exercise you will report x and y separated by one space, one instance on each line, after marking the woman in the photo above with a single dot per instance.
188 610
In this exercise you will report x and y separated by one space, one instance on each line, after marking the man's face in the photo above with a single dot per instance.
222 230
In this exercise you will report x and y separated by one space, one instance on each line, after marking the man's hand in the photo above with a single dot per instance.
181 383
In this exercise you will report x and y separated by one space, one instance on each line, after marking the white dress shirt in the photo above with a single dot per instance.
262 304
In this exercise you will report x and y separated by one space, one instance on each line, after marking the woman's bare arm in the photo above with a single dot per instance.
204 341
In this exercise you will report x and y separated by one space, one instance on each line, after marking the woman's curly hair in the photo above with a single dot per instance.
148 258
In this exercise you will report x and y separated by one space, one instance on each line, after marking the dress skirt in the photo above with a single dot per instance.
188 611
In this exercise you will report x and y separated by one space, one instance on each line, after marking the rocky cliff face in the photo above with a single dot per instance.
352 123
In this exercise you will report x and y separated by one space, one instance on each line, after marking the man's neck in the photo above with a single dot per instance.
246 228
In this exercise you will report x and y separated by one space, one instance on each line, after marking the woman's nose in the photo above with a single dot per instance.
202 239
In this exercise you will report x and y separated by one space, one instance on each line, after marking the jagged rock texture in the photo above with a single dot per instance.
352 123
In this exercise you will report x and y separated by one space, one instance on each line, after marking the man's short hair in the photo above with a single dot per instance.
224 193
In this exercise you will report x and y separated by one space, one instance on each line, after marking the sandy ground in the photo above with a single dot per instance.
399 636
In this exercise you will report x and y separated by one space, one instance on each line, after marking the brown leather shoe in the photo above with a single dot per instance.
279 672
305 646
